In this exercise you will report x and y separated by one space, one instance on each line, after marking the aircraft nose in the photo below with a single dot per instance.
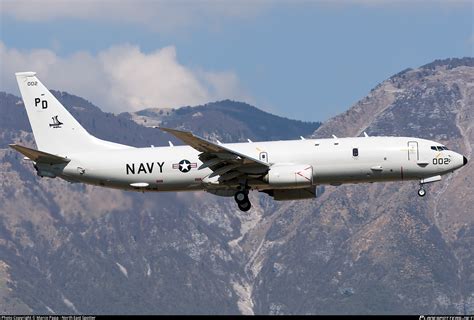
464 162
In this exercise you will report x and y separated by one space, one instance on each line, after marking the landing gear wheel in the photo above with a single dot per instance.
240 197
421 192
245 206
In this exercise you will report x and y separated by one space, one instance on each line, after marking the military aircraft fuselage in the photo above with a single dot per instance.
334 161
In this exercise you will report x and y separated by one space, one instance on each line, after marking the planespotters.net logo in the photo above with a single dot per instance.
446 318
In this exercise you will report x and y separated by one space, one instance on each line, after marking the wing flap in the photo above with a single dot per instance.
39 156
226 163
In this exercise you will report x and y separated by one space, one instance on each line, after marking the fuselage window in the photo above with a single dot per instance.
355 152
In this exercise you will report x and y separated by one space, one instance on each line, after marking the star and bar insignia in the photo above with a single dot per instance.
184 165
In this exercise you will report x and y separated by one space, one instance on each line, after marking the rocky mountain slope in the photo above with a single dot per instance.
226 120
378 248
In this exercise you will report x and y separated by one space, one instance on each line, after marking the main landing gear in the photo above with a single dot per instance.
242 199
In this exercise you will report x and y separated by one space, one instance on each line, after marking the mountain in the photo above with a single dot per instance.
377 248
227 120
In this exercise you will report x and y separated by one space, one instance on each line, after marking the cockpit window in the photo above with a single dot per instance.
439 148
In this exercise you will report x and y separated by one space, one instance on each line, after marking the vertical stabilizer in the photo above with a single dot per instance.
55 129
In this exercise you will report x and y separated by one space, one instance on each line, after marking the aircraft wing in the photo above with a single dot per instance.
226 163
39 156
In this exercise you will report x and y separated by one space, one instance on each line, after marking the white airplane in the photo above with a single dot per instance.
285 170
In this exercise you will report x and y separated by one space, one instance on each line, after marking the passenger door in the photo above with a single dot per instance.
413 153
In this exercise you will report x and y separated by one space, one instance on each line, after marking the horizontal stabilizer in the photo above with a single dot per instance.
39 156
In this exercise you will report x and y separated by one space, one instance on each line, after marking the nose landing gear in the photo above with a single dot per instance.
421 191
423 181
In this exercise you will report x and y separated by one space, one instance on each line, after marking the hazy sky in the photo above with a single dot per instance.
307 60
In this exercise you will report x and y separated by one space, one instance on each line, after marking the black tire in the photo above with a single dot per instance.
241 197
245 206
422 192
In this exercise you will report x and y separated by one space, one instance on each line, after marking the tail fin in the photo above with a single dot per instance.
55 129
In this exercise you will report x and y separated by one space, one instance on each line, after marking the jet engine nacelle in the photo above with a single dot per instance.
290 176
